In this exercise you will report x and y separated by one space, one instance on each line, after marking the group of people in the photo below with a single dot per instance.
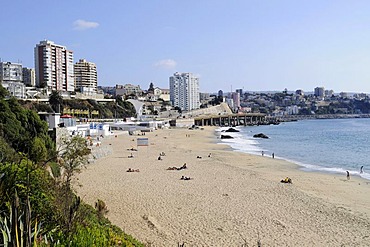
272 155
132 170
361 172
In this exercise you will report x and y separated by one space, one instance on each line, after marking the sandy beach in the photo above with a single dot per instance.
231 199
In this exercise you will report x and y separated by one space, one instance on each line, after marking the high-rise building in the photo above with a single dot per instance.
86 80
236 99
240 92
29 77
54 67
319 91
184 91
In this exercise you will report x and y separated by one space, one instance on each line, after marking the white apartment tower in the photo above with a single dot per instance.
86 80
54 67
184 91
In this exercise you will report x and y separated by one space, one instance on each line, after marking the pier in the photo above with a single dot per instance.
233 120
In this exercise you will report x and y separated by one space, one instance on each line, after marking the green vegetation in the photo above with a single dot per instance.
118 109
38 206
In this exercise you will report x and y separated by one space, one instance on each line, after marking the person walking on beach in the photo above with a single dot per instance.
362 169
348 177
262 153
273 155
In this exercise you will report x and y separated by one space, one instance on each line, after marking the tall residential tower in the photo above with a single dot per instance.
184 91
86 80
54 67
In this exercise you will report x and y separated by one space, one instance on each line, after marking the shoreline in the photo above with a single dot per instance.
233 198
305 167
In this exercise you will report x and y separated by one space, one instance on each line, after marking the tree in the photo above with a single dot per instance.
72 155
3 92
178 109
56 101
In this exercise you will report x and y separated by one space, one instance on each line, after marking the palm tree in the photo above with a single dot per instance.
55 100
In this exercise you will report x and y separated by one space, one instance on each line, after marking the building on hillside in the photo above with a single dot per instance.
86 79
292 110
11 79
10 72
29 77
329 93
128 89
184 91
162 93
107 90
319 92
299 92
54 67
343 95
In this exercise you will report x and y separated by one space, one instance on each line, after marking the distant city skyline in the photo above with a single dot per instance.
252 45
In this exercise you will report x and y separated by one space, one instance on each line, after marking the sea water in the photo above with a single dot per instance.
328 145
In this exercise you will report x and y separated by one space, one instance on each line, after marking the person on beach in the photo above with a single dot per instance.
263 153
362 169
273 155
159 157
348 177
209 155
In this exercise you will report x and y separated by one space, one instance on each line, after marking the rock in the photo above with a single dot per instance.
231 130
260 135
226 137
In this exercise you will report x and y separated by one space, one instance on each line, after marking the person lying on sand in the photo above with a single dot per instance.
172 168
132 149
182 167
185 178
130 156
132 170
199 157
287 180
177 168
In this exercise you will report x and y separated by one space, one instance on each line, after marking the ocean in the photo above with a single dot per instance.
327 145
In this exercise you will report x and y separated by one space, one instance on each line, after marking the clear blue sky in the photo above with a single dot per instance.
255 45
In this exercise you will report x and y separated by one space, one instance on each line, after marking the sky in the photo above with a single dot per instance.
261 45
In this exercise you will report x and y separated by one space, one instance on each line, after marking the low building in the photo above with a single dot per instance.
128 89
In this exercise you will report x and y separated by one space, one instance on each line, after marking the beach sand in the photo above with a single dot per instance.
232 199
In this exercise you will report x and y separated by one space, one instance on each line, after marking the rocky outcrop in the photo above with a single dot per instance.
226 137
260 135
231 130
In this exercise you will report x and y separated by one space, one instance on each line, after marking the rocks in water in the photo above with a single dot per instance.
231 130
226 137
260 135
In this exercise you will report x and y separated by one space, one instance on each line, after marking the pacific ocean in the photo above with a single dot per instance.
327 145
